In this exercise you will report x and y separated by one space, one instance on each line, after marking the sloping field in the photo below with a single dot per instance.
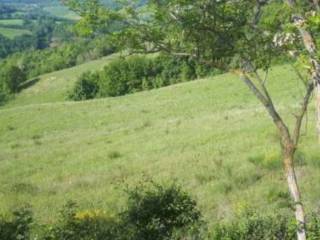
211 136
11 22
54 87
12 32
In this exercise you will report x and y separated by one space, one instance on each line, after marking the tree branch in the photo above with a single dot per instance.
254 89
263 86
299 74
286 139
302 112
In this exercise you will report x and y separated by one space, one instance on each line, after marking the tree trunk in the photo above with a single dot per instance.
288 154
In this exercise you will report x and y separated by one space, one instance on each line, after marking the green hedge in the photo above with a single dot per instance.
138 73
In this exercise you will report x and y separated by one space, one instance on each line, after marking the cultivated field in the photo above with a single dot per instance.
11 22
13 32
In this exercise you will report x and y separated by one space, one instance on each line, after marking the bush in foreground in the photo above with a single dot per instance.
255 226
159 213
155 212
18 227
85 225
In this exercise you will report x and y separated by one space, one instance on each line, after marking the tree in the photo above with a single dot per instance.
244 35
12 77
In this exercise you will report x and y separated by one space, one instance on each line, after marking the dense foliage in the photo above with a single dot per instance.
6 10
18 227
154 212
251 225
12 77
257 226
10 80
75 225
42 31
137 73
86 87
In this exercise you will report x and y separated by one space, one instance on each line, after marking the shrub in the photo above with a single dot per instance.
253 226
12 77
314 226
114 79
256 226
85 88
154 213
158 212
123 76
18 227
89 225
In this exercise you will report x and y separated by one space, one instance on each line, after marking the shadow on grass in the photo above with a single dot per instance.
28 84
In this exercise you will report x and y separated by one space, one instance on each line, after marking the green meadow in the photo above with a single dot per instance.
211 136
13 32
12 22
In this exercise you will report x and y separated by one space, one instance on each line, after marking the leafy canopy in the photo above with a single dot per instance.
213 32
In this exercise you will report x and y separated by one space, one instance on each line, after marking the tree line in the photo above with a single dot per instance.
137 73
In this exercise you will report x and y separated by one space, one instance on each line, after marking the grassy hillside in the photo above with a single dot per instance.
55 86
210 135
